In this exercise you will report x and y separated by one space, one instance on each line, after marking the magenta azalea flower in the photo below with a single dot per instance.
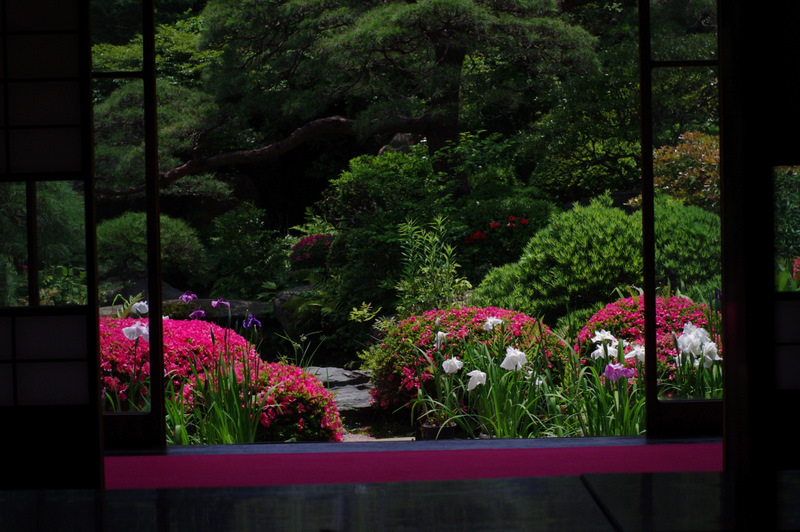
298 405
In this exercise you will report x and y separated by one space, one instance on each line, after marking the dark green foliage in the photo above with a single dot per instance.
384 63
366 204
688 244
245 253
586 253
188 120
61 241
787 212
392 185
122 250
118 21
495 226
588 142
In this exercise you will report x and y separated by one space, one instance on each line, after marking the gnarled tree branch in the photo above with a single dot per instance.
331 125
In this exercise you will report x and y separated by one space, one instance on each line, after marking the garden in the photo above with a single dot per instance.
444 195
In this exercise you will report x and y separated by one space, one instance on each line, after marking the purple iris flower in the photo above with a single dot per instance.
187 297
250 321
198 313
616 371
220 301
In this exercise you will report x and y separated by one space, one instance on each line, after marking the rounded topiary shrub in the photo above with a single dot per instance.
298 407
122 249
404 352
577 260
624 319
688 244
586 253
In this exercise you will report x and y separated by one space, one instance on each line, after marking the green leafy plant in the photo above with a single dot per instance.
62 285
227 401
603 396
787 212
786 275
429 279
302 350
244 252
366 204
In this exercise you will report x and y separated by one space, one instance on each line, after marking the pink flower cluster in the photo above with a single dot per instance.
625 320
311 251
305 406
404 353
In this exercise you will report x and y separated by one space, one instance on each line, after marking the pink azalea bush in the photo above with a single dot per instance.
310 252
402 357
298 405
624 319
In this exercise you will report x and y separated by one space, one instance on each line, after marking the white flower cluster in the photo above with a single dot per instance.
696 344
514 360
607 345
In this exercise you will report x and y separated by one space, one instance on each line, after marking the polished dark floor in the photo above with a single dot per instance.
654 501
620 501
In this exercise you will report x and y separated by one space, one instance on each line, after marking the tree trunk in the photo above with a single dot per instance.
443 113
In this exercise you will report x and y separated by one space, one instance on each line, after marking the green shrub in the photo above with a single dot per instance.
245 253
688 244
122 250
495 226
586 253
787 212
366 204
61 243
578 259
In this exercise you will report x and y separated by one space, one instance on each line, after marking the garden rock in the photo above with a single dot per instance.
351 391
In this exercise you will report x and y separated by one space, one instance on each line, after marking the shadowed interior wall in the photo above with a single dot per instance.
49 391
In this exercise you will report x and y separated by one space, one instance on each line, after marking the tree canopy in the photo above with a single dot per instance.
294 69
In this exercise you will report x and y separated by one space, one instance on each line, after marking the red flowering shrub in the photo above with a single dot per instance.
310 252
625 320
493 230
403 354
301 408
